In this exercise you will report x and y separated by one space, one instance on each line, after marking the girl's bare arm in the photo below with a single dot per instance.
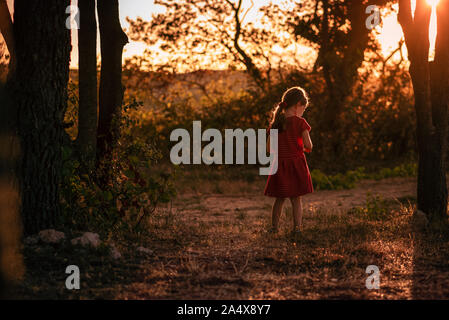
307 141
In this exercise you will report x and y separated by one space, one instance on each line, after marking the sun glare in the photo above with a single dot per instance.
432 3
433 28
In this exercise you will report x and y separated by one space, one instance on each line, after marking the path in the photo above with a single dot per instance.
328 200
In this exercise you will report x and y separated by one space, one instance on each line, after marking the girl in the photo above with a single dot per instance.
292 178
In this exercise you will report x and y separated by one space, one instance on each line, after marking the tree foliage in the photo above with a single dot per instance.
192 32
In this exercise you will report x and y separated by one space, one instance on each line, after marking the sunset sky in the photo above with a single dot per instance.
389 34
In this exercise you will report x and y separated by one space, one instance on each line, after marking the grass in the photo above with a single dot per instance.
212 247
347 180
218 179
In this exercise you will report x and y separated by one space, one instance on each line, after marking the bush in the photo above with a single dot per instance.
377 123
136 189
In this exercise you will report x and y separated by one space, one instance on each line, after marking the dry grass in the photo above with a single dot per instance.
215 246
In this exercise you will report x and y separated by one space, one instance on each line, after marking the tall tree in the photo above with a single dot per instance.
431 87
87 49
40 99
9 221
338 29
113 39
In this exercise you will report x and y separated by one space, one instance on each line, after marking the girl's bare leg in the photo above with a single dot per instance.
297 212
276 213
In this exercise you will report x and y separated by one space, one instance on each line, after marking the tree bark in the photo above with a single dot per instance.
439 83
42 44
430 86
113 39
87 49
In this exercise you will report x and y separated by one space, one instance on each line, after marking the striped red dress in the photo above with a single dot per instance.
292 178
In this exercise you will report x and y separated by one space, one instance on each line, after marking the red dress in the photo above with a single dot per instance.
292 178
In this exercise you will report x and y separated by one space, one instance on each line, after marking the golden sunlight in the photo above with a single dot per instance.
433 28
389 34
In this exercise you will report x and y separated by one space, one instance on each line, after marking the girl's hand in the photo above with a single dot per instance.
307 150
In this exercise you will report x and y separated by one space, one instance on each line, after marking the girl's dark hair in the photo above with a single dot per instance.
290 98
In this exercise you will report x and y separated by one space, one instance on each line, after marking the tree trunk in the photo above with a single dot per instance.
430 86
87 49
40 100
340 73
252 69
435 200
113 39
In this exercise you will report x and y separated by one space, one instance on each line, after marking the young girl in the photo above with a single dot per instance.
292 179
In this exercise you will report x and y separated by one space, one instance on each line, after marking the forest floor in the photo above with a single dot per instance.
212 243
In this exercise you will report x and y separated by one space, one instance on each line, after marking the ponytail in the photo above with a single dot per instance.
278 121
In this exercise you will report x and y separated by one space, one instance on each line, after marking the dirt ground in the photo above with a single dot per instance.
331 201
215 245
231 256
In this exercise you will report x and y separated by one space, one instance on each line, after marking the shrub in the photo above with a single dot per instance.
377 122
136 189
